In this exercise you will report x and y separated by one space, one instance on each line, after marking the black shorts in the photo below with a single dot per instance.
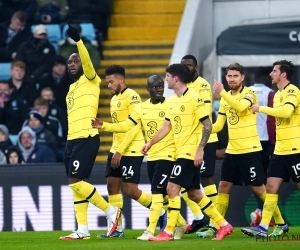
243 168
285 166
208 169
159 173
185 174
80 156
129 169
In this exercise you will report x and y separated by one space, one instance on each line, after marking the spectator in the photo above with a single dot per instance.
43 135
51 11
32 151
14 157
12 34
13 108
37 53
58 80
68 47
9 7
56 111
96 12
2 158
22 88
5 142
50 122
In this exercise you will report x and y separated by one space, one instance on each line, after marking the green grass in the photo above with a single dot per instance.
49 240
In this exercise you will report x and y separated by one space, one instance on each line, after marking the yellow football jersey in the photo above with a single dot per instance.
242 132
185 114
203 88
121 106
287 129
83 98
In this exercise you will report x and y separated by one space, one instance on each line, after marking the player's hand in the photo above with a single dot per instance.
198 157
96 123
145 148
255 108
115 160
218 86
73 33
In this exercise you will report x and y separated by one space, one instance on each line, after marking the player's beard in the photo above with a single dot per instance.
235 87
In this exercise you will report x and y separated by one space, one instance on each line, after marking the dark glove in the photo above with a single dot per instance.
73 33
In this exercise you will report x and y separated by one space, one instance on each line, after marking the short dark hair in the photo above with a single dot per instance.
154 79
235 66
190 57
285 67
115 70
21 15
182 71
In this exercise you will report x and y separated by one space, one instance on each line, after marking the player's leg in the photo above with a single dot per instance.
229 176
131 171
277 173
115 197
80 159
182 174
158 172
255 176
207 172
209 208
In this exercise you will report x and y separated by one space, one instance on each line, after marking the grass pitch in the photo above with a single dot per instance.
50 240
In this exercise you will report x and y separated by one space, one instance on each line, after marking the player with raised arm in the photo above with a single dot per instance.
83 141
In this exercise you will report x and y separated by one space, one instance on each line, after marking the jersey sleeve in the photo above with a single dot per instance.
133 100
239 105
221 119
87 65
200 109
130 135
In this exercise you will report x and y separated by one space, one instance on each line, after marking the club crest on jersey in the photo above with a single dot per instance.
182 108
233 118
70 101
119 104
161 114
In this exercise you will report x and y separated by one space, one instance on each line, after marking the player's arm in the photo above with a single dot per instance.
221 119
88 68
161 133
238 105
120 127
130 135
284 112
219 124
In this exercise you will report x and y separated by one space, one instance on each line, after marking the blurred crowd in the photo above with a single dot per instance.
33 116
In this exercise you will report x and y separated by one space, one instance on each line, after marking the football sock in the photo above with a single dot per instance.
80 207
180 220
191 204
269 207
90 193
155 211
212 193
222 203
166 203
116 200
209 208
145 199
173 212
277 214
